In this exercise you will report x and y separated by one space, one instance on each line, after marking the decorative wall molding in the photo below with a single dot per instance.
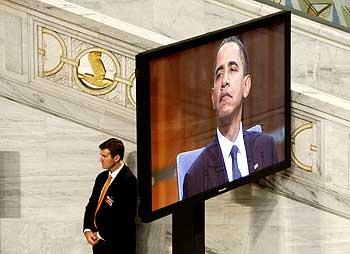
52 81
300 25
89 68
296 132
321 176
333 11
46 65
127 34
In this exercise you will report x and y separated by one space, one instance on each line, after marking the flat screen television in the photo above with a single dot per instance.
213 113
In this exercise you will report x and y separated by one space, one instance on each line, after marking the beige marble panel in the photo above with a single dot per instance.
97 115
323 66
263 222
57 158
148 233
11 37
22 236
179 19
58 162
337 140
334 70
218 16
227 238
13 43
65 236
303 68
139 13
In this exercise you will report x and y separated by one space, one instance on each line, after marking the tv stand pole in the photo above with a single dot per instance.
188 229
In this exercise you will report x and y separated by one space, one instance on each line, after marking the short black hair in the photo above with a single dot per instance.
115 147
242 49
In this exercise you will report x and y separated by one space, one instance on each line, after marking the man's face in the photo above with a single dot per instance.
230 84
107 162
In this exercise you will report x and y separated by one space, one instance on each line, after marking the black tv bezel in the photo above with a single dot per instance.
143 114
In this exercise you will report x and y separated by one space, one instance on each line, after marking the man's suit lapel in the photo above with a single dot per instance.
102 182
119 178
248 149
114 184
216 162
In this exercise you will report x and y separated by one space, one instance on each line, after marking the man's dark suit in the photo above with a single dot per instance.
208 170
116 222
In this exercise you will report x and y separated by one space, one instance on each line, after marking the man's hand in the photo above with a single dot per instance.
91 237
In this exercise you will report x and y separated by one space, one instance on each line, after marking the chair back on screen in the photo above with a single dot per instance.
184 161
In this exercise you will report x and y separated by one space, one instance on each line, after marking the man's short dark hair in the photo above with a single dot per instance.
242 49
115 147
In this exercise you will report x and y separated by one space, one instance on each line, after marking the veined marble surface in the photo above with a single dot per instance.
323 66
253 220
57 159
48 166
58 163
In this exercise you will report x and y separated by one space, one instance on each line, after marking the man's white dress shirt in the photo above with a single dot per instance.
226 146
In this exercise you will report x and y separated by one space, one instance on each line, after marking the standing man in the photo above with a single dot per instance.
234 153
109 220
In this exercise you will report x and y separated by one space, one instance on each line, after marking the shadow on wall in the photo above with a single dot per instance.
155 237
131 161
10 185
262 220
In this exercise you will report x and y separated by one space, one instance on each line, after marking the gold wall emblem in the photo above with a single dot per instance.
81 66
97 71
56 51
99 77
312 147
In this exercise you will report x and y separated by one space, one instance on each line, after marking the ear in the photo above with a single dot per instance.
247 85
213 99
117 158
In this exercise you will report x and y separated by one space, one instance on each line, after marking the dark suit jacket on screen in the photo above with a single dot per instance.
208 170
116 222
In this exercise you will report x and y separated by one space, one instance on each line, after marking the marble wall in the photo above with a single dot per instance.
50 128
44 62
252 220
48 166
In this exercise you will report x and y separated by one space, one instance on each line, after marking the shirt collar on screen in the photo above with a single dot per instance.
226 144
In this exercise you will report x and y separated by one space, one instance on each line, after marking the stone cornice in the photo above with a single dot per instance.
300 25
135 36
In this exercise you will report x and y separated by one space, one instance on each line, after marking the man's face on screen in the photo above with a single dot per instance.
230 84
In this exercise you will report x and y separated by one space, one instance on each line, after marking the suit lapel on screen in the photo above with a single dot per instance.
248 149
218 162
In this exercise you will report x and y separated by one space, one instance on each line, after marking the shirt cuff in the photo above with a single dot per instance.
87 229
98 235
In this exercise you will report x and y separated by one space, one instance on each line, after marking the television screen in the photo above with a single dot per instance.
213 113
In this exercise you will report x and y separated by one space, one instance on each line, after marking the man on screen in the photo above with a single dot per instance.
234 153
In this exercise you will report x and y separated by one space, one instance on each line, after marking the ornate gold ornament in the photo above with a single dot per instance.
295 133
98 78
97 71
131 89
43 53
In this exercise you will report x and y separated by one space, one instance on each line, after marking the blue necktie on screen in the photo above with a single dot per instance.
235 171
